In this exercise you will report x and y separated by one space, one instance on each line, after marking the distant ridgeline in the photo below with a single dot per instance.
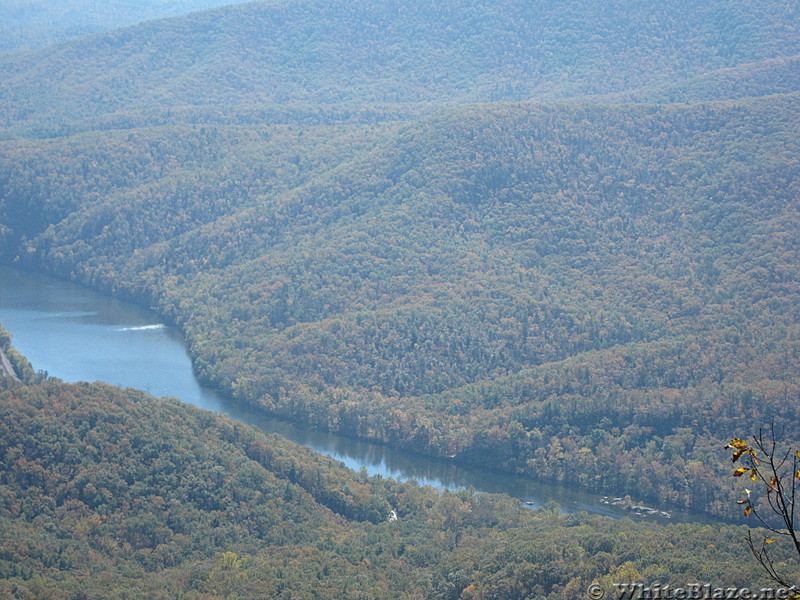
327 61
38 23
557 238
109 493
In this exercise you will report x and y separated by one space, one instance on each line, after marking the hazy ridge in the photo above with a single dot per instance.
556 238
353 52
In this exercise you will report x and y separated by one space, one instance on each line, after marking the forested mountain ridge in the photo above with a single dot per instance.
763 78
109 493
558 238
364 53
608 289
28 24
166 169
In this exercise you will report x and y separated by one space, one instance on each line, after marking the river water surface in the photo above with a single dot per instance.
77 334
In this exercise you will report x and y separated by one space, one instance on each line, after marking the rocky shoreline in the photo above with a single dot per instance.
5 367
639 509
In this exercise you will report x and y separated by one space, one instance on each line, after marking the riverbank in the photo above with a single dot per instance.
6 370
78 334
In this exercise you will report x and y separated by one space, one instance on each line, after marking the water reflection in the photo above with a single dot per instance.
80 335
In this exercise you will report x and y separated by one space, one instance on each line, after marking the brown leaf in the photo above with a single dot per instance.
737 455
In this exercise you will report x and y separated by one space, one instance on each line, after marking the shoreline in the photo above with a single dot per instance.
6 369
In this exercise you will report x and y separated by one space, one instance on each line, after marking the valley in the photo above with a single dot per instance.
76 334
557 241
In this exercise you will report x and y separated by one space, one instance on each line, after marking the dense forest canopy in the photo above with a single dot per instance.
557 238
109 493
359 53
437 285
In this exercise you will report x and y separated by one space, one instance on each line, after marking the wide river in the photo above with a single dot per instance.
77 334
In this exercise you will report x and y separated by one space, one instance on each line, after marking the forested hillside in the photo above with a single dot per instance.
557 238
108 493
763 78
358 53
608 290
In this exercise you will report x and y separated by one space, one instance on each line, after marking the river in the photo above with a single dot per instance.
77 334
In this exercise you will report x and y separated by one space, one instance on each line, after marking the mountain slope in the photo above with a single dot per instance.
29 24
129 485
763 78
187 175
558 289
488 284
109 493
355 52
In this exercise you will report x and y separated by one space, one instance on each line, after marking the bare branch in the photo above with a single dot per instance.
767 464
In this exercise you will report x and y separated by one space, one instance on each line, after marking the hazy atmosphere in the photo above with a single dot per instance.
517 280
